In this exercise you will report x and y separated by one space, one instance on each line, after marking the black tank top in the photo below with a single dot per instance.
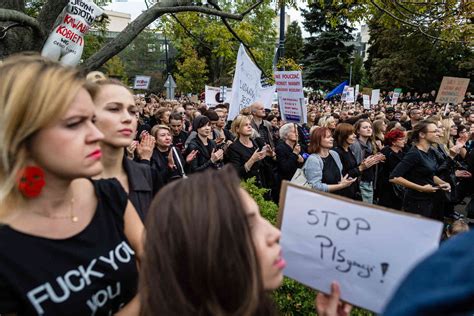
331 172
91 273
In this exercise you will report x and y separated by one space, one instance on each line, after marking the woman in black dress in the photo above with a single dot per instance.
390 195
416 172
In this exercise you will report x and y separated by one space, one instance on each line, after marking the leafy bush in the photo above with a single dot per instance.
291 298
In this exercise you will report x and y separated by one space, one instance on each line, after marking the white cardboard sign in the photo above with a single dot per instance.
395 97
213 93
66 42
246 85
289 86
452 90
141 82
375 96
350 95
366 99
366 249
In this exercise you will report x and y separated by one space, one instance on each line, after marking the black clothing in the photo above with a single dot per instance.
91 273
350 167
385 190
418 167
180 140
287 161
142 185
159 162
237 154
331 172
203 158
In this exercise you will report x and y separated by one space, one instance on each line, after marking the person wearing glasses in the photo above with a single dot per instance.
416 172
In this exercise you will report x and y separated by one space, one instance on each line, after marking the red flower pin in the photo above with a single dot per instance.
31 181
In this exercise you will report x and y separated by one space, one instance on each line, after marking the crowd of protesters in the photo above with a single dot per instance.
96 221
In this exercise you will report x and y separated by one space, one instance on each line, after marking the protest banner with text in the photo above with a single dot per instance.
213 95
246 85
452 90
141 82
368 250
289 87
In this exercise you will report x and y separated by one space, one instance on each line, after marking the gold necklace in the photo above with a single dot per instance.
71 215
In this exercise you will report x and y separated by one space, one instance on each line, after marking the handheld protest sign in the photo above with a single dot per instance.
367 249
66 43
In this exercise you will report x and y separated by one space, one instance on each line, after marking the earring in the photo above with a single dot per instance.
31 181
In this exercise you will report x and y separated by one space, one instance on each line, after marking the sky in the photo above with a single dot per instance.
135 7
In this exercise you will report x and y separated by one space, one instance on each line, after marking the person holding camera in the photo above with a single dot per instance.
208 155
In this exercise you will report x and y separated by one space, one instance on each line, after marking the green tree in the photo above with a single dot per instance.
400 58
213 41
191 76
326 54
294 42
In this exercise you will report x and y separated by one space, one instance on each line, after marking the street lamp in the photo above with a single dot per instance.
351 59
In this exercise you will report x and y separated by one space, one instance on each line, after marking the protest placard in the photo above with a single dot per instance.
142 82
395 97
246 85
375 97
213 95
366 99
356 92
368 250
289 86
266 96
452 90
349 95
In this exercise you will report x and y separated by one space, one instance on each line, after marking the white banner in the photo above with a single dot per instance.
395 97
289 86
142 82
368 250
356 93
246 85
213 95
375 96
366 101
266 96
349 95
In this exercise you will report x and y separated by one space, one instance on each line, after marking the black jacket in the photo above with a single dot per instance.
143 185
203 158
287 161
159 162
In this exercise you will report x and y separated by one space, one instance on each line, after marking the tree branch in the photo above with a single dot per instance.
20 17
418 27
117 44
231 30
187 31
49 13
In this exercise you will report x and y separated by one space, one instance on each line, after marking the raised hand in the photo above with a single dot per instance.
217 155
191 156
331 304
145 147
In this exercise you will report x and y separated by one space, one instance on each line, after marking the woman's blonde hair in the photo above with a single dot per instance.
325 121
34 92
237 124
446 138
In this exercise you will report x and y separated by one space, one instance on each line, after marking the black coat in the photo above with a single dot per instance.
385 190
287 161
142 184
203 158
159 163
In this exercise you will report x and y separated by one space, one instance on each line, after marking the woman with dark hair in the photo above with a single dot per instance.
213 254
207 154
275 127
323 168
345 137
162 116
388 194
416 172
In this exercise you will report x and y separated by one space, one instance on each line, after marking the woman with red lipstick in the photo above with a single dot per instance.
66 242
116 118
213 254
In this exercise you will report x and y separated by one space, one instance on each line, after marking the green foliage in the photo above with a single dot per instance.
294 42
326 55
401 58
212 41
191 76
114 68
291 298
